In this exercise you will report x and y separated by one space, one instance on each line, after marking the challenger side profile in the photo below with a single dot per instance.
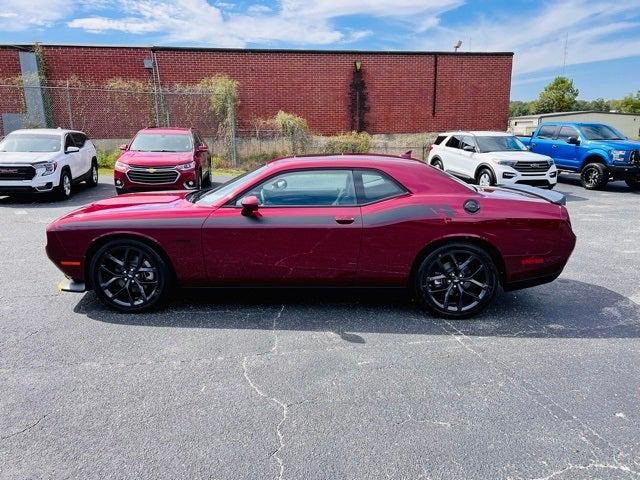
348 221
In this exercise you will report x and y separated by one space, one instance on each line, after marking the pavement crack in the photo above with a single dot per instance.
592 465
26 429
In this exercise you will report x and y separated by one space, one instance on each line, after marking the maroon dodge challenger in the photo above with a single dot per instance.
351 221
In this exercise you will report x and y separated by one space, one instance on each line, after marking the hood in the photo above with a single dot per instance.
615 144
520 156
155 159
26 157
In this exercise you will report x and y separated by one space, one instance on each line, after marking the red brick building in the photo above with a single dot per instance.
407 91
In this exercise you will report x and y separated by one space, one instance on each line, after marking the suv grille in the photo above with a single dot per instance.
17 173
532 167
152 176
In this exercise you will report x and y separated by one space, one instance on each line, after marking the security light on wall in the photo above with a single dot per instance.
457 45
358 65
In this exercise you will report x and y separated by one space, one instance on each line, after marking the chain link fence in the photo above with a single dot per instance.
112 115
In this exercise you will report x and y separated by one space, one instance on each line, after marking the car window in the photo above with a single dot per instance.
377 186
601 132
439 139
161 142
79 139
68 141
454 142
502 143
24 142
467 141
306 188
566 132
212 195
546 131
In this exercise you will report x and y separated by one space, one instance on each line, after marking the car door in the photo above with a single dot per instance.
73 159
307 231
452 159
86 155
544 140
566 154
467 164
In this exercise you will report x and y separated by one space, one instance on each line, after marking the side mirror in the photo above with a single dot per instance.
72 150
573 140
250 205
202 148
469 148
123 147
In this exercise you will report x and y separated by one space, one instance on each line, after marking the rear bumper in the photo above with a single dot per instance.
68 285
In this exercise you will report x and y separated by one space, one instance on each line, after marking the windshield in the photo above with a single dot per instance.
161 142
20 142
210 196
601 132
499 144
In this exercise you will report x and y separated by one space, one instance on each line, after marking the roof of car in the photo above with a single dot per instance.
166 130
483 133
45 131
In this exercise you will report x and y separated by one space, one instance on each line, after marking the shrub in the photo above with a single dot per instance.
295 129
223 102
107 159
352 142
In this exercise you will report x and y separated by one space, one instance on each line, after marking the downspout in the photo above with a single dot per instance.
156 72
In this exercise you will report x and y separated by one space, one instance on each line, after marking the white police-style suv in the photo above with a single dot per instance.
491 158
41 160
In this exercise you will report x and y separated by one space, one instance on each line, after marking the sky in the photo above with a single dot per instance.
602 38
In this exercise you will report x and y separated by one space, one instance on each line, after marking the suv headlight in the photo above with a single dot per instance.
120 166
45 168
509 163
187 166
617 155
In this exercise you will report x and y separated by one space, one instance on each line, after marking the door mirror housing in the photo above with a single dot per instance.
469 148
573 141
202 148
249 204
123 147
71 150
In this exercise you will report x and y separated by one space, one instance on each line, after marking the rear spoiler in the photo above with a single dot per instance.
548 195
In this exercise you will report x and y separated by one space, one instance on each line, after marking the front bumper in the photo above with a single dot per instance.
510 176
38 184
622 170
185 180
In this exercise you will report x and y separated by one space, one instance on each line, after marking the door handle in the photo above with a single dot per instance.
345 220
554 146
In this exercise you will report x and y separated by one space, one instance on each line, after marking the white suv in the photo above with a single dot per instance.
491 158
46 160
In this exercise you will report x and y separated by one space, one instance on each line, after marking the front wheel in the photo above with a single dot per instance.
633 183
63 190
457 280
129 276
594 176
485 178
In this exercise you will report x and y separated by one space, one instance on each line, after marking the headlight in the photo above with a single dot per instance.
509 163
617 155
45 168
187 166
550 161
121 167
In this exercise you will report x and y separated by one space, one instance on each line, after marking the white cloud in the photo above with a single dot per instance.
20 15
380 8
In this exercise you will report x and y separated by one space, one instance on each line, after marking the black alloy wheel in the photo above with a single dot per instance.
456 281
594 176
129 276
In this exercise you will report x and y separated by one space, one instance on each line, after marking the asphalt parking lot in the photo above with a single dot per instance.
324 385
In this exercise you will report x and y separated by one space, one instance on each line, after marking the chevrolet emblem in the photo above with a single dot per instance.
151 170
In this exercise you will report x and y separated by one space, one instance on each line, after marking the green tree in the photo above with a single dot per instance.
559 96
630 103
295 129
518 108
224 101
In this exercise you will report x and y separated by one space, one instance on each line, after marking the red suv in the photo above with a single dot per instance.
163 159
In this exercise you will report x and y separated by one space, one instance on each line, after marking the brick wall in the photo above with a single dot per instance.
472 91
11 98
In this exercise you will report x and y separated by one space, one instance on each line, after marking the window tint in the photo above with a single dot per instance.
161 142
566 132
79 139
20 142
467 141
306 188
547 131
68 142
601 132
377 186
439 139
454 142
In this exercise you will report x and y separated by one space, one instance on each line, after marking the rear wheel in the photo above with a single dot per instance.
485 178
438 164
457 280
129 276
92 181
594 176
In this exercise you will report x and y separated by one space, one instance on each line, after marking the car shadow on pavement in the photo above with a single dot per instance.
574 179
81 194
562 309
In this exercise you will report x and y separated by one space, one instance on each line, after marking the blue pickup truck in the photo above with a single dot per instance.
598 152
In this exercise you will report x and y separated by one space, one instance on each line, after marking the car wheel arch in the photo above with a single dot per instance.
435 157
593 158
484 165
104 239
476 241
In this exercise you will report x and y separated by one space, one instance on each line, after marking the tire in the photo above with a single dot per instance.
440 286
436 162
485 177
93 177
63 190
633 183
129 276
594 176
